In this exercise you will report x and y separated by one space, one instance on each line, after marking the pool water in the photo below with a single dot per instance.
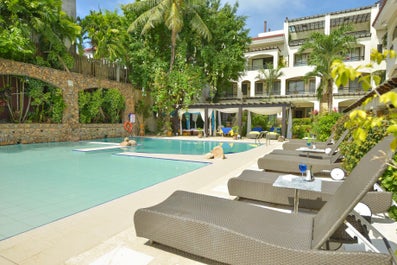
40 183
186 147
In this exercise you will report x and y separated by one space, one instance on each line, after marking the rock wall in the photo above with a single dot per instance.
70 129
40 133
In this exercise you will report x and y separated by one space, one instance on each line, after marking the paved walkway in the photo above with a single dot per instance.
93 236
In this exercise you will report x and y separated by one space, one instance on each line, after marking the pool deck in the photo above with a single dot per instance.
106 233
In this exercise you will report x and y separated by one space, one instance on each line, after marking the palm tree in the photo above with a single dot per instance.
270 76
324 49
172 13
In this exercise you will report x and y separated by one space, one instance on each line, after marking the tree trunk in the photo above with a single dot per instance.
173 47
330 94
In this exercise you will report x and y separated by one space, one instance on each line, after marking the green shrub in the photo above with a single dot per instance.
301 127
353 151
101 106
47 104
323 124
302 121
113 105
301 131
258 120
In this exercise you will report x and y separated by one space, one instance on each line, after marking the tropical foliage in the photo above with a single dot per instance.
301 127
101 106
324 50
323 125
367 128
200 66
173 14
31 100
270 75
37 31
105 31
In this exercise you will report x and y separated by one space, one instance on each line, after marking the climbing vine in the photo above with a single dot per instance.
101 106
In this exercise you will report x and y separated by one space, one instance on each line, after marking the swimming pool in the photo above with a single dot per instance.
41 183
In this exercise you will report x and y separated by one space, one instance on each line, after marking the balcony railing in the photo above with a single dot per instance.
297 92
346 90
255 68
354 58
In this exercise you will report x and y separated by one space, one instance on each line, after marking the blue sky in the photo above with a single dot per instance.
256 11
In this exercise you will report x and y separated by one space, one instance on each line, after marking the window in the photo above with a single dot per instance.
244 89
257 64
261 63
276 88
231 91
354 54
301 59
312 86
296 87
258 88
352 86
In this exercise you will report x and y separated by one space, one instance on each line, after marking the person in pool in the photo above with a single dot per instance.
125 142
128 142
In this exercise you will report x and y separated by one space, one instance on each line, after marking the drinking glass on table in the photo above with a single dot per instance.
302 168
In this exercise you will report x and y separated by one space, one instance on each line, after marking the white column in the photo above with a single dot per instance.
252 89
275 60
283 86
327 25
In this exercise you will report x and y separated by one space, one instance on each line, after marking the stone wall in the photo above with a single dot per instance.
70 129
41 133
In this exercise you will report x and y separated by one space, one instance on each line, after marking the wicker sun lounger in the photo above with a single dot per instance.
292 144
332 149
290 163
234 232
258 186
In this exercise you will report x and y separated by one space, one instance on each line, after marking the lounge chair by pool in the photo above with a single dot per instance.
258 186
234 232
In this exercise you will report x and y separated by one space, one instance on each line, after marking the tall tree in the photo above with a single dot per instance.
107 34
324 49
223 57
36 31
172 13
198 63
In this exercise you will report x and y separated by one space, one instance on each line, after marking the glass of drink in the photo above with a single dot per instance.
302 168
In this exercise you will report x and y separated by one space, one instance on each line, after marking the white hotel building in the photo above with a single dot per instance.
282 46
